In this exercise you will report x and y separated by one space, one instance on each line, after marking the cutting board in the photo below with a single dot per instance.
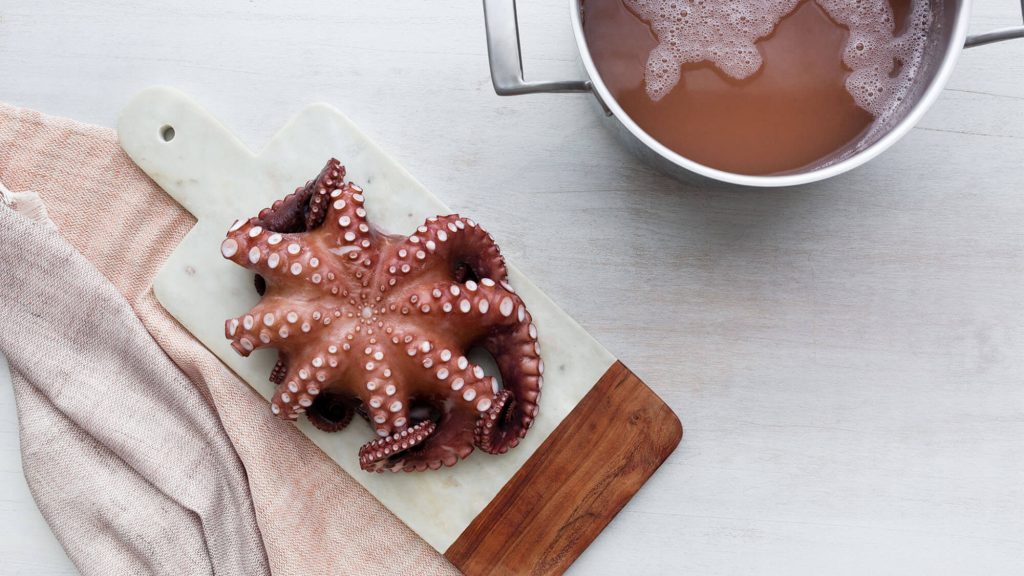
600 432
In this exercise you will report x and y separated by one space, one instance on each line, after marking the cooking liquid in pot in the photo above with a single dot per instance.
761 86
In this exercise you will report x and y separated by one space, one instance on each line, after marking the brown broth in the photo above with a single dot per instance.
795 111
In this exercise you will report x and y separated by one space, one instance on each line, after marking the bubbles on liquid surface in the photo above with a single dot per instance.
883 64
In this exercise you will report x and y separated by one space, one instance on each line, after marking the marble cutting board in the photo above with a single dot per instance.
473 510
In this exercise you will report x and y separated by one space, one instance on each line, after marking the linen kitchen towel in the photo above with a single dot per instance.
313 517
128 462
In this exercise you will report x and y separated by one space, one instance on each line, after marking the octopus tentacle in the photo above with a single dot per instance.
451 442
493 316
346 218
388 404
374 455
462 392
471 308
490 432
270 324
316 209
275 256
302 383
302 210
257 328
517 353
460 243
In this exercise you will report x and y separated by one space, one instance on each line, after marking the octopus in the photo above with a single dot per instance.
381 325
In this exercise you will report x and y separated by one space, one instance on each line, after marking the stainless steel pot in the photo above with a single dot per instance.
948 38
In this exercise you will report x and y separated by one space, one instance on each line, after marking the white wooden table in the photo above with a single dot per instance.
847 358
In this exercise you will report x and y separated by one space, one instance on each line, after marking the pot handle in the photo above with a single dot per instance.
996 35
505 56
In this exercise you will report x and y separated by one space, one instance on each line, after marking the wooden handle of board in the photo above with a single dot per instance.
575 483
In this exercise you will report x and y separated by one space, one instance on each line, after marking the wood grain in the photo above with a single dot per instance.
575 483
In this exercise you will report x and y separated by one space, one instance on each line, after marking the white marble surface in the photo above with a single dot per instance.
221 181
847 358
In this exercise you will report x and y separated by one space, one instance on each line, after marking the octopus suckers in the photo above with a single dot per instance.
229 248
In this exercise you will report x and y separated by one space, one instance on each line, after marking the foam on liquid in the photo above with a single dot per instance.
883 64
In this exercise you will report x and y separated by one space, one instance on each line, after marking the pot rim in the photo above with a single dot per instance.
954 47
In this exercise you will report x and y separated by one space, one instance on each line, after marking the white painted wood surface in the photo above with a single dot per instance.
847 358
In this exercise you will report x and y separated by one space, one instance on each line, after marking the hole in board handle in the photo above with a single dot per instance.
167 132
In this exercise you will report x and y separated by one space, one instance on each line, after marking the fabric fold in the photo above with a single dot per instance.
127 460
